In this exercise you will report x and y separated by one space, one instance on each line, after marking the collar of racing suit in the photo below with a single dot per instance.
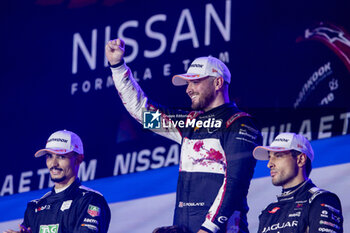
72 186
288 194
223 106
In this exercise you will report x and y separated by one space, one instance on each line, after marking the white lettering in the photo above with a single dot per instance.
110 81
74 88
305 129
224 30
121 163
133 162
155 35
272 134
172 156
218 124
128 164
86 48
326 100
311 83
185 15
265 133
186 63
206 124
130 42
324 127
86 86
281 226
23 182
79 43
224 57
98 84
190 123
181 124
345 116
89 172
158 156
107 38
7 186
42 172
199 124
147 74
285 127
90 220
166 70
141 160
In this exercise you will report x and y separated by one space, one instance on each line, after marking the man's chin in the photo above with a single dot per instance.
195 106
276 182
58 179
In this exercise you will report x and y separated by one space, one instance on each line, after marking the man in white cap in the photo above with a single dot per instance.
217 141
302 207
69 206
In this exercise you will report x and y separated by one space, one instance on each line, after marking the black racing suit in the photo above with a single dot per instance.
304 209
74 210
216 163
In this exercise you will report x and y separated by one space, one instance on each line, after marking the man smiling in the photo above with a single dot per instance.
216 163
302 207
69 206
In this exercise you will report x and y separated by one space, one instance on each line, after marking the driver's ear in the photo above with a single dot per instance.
218 83
301 159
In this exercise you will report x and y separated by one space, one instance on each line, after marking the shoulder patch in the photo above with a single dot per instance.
86 189
94 211
315 191
235 117
44 196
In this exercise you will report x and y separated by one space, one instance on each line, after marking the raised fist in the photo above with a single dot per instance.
115 51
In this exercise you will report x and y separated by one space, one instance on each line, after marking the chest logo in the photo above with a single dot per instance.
274 210
296 214
222 219
66 205
94 211
53 228
45 207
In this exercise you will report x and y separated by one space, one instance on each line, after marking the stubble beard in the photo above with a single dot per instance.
58 180
281 181
204 101
277 183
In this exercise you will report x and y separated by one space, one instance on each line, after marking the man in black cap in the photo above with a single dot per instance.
69 206
302 207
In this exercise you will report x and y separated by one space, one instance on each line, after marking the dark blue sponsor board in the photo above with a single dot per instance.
54 76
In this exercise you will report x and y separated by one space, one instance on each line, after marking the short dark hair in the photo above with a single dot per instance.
308 165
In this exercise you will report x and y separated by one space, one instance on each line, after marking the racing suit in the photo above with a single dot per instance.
76 209
304 209
216 162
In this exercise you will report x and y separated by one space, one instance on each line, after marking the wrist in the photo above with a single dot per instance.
117 64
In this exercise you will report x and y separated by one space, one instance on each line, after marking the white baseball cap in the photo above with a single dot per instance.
203 67
62 142
285 142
